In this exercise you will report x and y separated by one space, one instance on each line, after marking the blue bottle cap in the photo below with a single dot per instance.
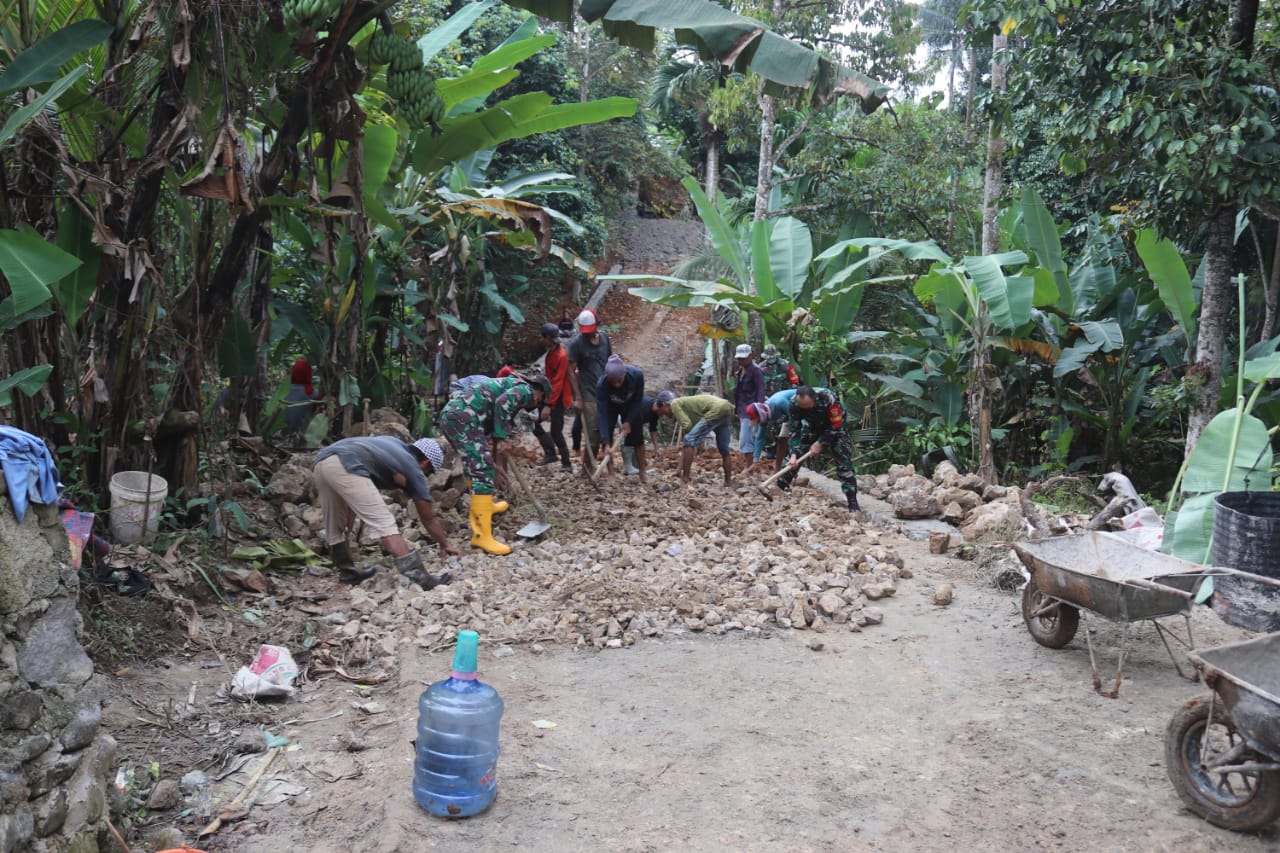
464 656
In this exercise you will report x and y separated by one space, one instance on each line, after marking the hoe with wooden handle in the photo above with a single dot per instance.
764 487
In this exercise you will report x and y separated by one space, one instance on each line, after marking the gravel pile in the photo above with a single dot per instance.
622 563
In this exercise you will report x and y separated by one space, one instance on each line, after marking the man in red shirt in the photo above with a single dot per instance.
556 368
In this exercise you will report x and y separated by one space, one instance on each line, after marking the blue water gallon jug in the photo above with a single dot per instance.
455 769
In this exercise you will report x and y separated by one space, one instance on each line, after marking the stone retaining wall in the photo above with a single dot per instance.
55 764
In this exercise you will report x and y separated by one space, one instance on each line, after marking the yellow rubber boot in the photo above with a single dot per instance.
482 526
498 505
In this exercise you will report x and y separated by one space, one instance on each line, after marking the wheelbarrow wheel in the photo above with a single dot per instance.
1050 622
1239 801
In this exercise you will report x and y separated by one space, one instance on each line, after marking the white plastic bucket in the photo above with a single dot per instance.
130 498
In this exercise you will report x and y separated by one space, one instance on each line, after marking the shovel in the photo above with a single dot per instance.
764 487
533 529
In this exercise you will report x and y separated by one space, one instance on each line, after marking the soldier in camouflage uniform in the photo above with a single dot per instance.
482 412
779 375
817 424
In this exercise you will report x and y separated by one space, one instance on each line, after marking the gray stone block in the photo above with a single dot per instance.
50 812
16 830
80 732
52 654
20 710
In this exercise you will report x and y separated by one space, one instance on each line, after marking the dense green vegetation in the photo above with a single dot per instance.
195 198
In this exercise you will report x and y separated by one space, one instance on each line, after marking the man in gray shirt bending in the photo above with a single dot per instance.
349 474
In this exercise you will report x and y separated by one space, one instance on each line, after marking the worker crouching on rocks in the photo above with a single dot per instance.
481 413
349 474
696 416
817 425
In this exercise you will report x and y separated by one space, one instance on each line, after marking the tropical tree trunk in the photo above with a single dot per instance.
970 90
1205 375
764 185
980 380
1272 293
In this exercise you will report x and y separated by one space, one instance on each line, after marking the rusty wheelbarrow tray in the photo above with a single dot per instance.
1222 751
1111 577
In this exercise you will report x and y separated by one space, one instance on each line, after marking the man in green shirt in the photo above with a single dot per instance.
697 416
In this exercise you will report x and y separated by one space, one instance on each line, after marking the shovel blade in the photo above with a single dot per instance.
533 529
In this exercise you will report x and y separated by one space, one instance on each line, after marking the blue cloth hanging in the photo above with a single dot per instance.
29 470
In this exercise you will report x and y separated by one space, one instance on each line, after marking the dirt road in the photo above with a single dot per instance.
942 729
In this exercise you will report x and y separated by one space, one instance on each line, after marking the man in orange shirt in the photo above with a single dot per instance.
556 368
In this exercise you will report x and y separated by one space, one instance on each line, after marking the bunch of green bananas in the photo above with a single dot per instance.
415 94
388 49
410 84
309 14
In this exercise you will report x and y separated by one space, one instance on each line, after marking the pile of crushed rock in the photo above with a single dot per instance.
620 563
980 511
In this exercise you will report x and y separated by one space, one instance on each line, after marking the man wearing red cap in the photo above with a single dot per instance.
588 354
300 402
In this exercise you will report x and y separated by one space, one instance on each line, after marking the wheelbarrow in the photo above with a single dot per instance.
1113 578
1222 751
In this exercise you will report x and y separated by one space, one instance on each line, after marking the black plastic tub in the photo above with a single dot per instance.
1246 536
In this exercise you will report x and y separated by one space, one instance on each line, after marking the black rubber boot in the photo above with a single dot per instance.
410 565
348 572
784 482
548 449
853 502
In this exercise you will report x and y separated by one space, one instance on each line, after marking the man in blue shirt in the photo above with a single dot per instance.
771 416
619 397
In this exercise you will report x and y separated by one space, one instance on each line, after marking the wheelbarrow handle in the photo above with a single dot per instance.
1263 579
1158 587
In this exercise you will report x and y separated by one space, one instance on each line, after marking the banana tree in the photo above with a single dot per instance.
774 253
36 276
1233 454
734 41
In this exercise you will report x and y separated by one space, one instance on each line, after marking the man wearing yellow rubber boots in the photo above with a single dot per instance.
486 411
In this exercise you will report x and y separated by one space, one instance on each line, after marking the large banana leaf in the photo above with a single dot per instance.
723 237
740 43
31 265
1169 273
443 35
1007 298
42 61
28 381
515 118
1105 335
790 251
1213 467
1042 237
22 115
75 237
761 267
1189 531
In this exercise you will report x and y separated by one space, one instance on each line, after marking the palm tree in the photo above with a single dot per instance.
683 84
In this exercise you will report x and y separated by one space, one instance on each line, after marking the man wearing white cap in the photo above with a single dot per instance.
349 474
588 354
748 390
